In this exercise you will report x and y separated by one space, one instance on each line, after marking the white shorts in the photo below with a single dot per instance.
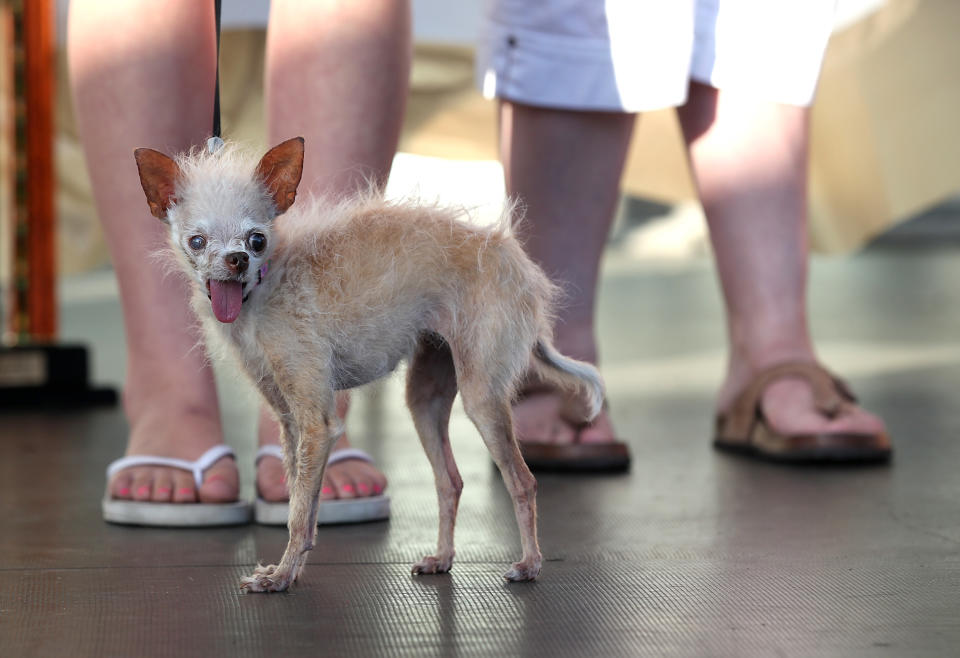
638 55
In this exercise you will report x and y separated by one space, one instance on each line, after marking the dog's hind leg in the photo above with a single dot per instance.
431 388
488 406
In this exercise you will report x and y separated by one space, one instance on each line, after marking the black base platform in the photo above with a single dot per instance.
48 376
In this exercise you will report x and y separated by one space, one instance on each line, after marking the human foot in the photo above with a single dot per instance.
194 432
343 479
788 405
796 410
540 417
552 437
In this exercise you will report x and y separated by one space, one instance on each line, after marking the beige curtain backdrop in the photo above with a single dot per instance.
885 142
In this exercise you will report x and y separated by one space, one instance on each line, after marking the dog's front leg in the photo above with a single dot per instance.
317 434
289 439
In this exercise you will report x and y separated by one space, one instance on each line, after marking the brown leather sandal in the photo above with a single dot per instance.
608 457
744 429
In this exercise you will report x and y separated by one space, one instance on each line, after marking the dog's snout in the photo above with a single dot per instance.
237 262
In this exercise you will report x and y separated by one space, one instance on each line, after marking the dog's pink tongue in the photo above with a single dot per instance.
227 297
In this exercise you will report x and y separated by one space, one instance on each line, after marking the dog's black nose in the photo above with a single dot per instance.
237 262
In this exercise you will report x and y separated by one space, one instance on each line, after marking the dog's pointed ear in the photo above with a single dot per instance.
280 170
158 176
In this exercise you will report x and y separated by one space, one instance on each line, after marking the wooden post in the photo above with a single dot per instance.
35 371
34 313
6 171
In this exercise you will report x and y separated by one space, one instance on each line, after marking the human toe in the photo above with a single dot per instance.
162 488
271 483
121 487
220 483
184 489
327 492
600 430
142 484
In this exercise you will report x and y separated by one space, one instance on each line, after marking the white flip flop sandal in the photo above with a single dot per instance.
132 512
332 512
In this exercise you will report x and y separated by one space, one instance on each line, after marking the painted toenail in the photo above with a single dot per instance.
125 491
377 489
326 491
163 491
347 488
362 488
143 491
184 490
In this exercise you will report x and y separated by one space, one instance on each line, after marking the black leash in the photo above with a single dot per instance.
216 89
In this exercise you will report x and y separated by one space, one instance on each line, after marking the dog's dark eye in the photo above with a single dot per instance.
257 241
197 242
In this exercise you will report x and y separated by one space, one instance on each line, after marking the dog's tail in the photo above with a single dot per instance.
569 374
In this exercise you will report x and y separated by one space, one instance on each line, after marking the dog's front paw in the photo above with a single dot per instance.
523 571
265 579
432 564
262 570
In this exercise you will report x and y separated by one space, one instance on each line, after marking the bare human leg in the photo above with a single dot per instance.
750 162
565 168
337 75
147 80
749 158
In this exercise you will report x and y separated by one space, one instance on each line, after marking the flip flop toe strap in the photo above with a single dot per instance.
197 467
349 453
273 450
